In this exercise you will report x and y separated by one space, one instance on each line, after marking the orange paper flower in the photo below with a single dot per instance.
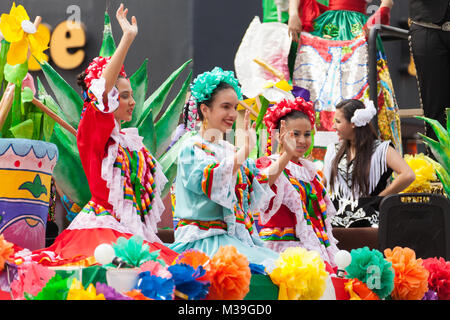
358 290
192 257
229 275
6 252
136 295
411 277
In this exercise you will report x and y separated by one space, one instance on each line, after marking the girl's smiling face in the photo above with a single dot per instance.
221 113
344 128
301 128
126 101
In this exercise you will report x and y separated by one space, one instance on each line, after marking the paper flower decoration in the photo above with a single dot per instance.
6 252
134 251
300 274
136 295
22 35
411 277
439 278
205 83
188 281
77 292
430 295
155 269
425 171
32 277
358 290
229 275
155 287
110 293
257 268
55 289
370 267
285 107
192 257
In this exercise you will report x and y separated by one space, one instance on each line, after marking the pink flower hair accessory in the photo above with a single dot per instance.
95 69
285 107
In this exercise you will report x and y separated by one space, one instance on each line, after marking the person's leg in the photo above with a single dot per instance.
432 59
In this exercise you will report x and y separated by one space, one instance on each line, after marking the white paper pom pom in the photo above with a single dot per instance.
104 253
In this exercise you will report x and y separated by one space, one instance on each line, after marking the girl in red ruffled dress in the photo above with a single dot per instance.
299 214
125 180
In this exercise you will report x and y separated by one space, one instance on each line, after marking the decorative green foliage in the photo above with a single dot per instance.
441 148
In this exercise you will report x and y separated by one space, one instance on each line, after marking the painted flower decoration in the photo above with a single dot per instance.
285 107
207 82
22 35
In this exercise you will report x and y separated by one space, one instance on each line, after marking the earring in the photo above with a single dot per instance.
204 124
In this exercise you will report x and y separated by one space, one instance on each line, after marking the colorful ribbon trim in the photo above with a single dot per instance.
202 225
313 203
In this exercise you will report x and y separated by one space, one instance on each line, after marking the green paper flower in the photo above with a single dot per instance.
134 251
55 289
370 267
207 82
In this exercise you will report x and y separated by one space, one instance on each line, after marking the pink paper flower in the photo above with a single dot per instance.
32 277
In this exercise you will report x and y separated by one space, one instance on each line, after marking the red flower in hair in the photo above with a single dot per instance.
95 69
285 107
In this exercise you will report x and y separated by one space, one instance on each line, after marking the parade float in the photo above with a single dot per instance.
128 270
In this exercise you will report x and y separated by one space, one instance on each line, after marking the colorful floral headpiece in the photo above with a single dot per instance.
285 107
205 83
95 70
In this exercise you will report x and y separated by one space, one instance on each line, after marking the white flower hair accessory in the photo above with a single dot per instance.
361 117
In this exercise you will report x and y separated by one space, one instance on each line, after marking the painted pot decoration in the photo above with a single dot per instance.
26 168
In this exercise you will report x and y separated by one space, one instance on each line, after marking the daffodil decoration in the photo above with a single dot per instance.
23 36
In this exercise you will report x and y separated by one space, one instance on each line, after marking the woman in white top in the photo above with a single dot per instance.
358 169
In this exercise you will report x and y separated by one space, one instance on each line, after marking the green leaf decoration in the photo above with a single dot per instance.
139 84
147 131
440 149
23 130
36 188
156 101
37 121
15 74
3 53
27 95
169 120
108 45
169 161
68 99
68 172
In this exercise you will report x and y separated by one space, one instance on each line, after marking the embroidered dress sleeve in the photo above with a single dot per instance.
279 189
261 192
96 94
202 173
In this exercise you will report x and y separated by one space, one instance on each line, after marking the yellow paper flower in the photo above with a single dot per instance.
22 35
300 275
425 171
77 292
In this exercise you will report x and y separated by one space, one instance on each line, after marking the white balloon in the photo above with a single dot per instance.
342 259
104 253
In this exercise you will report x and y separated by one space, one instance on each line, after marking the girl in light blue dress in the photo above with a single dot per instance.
218 189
